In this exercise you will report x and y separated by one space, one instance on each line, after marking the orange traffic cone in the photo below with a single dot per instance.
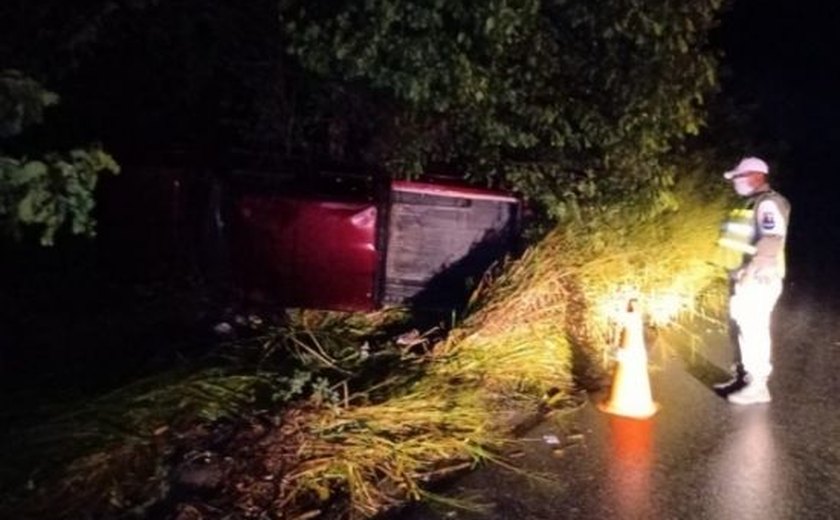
630 393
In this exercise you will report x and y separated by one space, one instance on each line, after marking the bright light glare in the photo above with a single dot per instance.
665 308
661 309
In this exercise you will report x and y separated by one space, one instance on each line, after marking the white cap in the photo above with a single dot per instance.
748 165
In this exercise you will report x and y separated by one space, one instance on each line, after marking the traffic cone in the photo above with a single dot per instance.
630 393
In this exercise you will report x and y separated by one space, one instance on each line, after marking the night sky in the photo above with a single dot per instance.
784 53
782 56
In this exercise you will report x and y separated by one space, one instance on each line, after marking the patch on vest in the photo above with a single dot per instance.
768 220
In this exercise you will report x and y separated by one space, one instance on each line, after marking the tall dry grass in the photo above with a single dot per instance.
525 327
561 298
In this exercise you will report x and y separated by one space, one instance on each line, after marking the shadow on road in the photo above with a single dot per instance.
698 366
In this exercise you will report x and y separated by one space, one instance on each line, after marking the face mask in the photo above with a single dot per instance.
743 187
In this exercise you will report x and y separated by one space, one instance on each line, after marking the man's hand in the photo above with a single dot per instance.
758 273
736 275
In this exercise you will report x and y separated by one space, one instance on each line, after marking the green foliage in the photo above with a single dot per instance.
334 440
574 103
109 453
54 191
22 102
114 452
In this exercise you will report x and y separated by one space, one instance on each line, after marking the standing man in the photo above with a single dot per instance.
757 231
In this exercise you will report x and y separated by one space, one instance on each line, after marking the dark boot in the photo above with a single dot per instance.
754 392
734 383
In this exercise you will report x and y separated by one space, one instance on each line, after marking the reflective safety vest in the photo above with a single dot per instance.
743 229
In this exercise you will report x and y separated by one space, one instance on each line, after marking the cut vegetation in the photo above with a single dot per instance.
336 415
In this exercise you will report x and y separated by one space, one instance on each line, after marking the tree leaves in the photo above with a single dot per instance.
22 102
523 94
55 190
608 88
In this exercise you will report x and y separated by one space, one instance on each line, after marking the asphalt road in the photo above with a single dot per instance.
699 456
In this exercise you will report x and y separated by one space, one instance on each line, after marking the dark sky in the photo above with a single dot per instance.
785 55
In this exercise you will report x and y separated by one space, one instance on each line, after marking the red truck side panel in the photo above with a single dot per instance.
307 253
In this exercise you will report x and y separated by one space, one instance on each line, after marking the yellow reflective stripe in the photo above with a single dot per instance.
737 246
739 228
742 213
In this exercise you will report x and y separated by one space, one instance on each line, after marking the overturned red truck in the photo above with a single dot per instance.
332 244
417 243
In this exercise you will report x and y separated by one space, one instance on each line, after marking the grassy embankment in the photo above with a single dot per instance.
313 424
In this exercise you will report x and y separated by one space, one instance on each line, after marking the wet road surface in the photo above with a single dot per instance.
699 456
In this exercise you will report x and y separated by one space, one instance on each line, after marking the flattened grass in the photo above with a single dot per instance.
378 446
517 342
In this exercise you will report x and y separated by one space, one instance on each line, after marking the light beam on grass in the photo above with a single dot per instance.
516 342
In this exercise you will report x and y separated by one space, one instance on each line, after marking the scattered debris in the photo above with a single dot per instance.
552 440
254 321
223 328
410 338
